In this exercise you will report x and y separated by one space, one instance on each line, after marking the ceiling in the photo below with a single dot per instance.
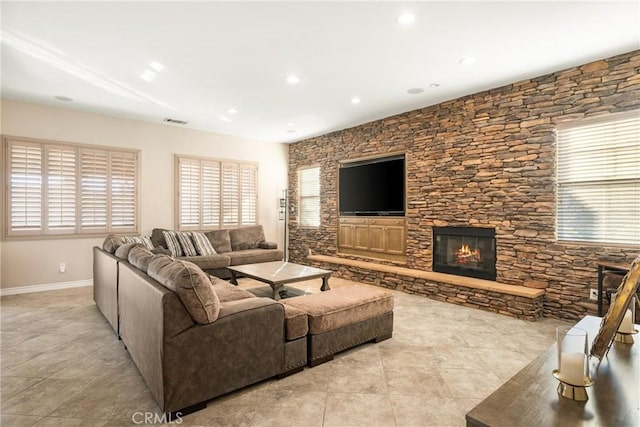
194 61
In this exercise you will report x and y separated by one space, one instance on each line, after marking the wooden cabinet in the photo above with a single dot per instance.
373 236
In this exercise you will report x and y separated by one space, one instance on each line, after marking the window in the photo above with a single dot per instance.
599 180
59 189
215 193
309 197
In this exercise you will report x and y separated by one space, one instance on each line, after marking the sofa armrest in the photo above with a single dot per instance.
268 245
243 346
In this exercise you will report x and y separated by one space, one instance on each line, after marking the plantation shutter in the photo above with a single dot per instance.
93 189
249 194
61 188
309 197
123 190
230 194
599 180
210 194
25 188
189 193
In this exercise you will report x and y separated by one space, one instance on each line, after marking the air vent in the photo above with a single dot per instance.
176 121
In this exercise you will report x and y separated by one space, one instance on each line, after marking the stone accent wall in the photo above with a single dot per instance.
484 160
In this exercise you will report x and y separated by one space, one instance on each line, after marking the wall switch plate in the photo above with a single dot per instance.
593 294
63 267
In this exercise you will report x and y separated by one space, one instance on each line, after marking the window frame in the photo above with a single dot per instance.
223 165
565 183
300 196
78 229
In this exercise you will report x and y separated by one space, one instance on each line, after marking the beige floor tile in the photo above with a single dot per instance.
68 422
43 397
355 409
291 408
470 383
9 386
423 410
18 420
411 380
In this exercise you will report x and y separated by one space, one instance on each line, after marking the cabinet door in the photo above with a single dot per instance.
361 236
346 236
394 240
376 238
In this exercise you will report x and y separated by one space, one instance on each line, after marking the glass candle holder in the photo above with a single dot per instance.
627 328
573 363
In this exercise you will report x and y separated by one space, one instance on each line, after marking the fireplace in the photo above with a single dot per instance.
465 251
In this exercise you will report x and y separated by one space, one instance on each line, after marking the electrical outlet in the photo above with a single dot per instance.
63 267
593 294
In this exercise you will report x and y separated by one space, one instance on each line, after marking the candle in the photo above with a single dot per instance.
572 368
627 323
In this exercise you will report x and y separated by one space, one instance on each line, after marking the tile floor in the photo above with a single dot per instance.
63 366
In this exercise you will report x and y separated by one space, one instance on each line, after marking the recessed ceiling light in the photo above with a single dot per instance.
406 18
232 111
415 90
434 85
355 100
63 98
293 79
148 75
224 118
467 60
156 66
290 124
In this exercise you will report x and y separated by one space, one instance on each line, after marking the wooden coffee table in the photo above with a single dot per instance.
279 273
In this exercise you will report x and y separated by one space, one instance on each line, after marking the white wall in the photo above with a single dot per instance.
34 262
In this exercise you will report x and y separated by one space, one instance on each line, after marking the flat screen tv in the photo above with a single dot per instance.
372 187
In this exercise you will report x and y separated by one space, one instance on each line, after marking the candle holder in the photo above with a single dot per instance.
626 330
573 366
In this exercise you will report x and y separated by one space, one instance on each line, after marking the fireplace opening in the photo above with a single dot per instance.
465 251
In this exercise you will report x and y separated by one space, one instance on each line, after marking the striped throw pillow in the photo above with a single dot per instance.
186 244
172 243
143 240
202 244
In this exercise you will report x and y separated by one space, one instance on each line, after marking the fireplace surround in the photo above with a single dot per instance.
465 251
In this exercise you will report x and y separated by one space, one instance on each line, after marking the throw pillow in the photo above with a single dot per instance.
190 283
172 243
123 251
202 244
144 240
186 244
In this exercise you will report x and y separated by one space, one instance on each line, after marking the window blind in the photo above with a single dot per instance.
309 197
598 171
214 193
67 189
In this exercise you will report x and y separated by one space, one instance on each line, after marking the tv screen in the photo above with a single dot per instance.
372 187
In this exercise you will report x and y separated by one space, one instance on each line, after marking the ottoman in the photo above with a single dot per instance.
343 318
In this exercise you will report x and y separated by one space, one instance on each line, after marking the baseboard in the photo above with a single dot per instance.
45 287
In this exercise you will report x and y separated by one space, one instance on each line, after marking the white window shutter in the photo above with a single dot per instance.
598 171
189 193
61 173
93 189
309 197
25 188
210 209
249 194
230 194
123 194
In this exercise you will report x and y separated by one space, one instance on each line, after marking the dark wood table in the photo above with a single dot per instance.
279 273
530 397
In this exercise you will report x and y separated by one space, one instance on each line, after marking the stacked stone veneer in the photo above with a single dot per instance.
484 160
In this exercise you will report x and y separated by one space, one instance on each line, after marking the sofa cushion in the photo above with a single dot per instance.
252 256
190 283
157 237
202 244
143 240
220 240
111 243
228 292
246 237
295 322
140 257
268 245
173 244
123 250
340 307
209 262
